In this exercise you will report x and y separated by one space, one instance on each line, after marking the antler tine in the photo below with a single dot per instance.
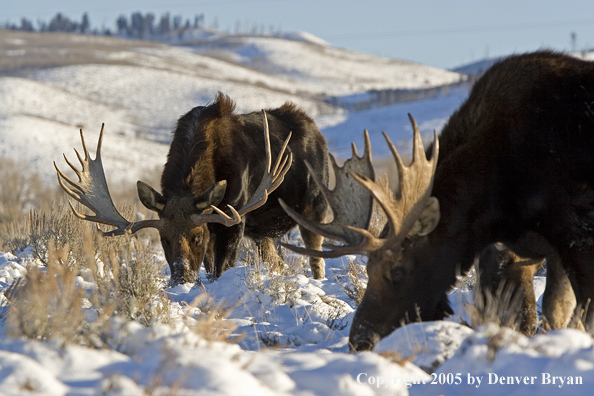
415 185
68 190
416 182
91 190
270 182
285 144
72 166
267 141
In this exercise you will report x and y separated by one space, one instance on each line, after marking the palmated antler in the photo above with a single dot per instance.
416 182
351 202
91 190
270 182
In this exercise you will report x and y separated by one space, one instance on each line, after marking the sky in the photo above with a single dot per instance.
438 33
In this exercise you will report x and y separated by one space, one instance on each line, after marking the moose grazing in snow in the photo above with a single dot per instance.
517 159
217 160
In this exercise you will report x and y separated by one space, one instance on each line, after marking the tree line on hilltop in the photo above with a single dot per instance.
138 26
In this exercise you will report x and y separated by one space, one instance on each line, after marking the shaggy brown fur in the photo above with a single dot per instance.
212 144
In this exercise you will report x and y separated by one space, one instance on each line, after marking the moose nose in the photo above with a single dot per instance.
177 272
361 346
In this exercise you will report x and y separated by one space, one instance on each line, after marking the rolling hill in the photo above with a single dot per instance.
53 84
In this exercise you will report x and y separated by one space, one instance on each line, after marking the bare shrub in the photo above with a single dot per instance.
131 278
59 228
120 277
357 280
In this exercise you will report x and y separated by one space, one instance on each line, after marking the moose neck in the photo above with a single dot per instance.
469 216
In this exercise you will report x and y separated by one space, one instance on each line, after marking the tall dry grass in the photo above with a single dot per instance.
85 284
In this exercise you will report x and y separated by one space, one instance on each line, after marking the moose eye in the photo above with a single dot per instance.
198 239
397 273
503 258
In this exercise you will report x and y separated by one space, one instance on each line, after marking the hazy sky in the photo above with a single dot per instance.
434 32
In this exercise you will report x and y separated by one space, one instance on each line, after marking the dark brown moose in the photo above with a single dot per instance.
516 158
219 161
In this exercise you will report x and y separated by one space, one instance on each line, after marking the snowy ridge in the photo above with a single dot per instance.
140 89
323 69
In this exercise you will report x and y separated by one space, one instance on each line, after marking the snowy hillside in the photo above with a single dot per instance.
323 69
140 89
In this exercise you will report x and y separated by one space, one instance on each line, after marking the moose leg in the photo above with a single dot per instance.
209 256
317 211
582 281
519 266
528 315
558 301
226 246
269 253
314 241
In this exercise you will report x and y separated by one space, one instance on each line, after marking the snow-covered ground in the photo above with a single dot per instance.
295 342
295 329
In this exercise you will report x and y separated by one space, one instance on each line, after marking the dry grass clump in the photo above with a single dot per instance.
357 280
276 278
211 324
106 277
501 306
48 304
21 190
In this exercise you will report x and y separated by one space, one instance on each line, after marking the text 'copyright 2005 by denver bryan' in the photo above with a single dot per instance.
477 381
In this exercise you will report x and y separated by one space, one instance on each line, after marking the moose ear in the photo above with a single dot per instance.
213 196
428 219
150 198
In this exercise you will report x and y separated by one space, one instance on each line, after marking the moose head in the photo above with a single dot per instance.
412 214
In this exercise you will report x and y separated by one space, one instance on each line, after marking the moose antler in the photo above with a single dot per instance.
91 190
351 202
352 206
270 182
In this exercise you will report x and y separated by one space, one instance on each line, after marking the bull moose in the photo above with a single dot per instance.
220 159
517 158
